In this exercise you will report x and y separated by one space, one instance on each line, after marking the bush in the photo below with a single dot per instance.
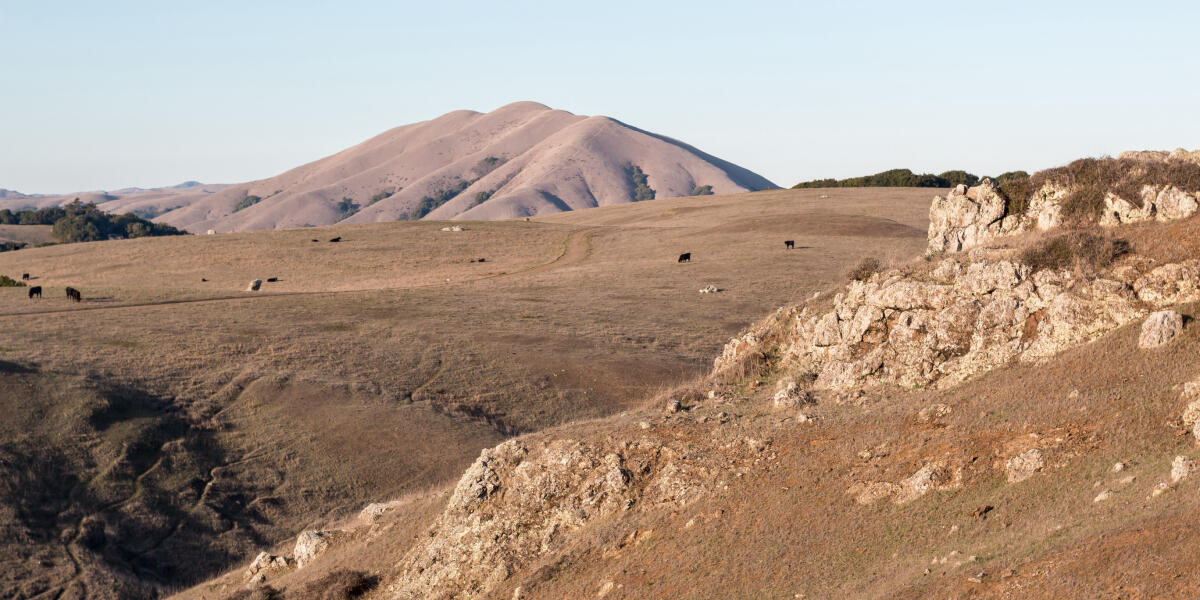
263 592
347 206
246 202
1091 179
6 281
482 197
1081 250
338 585
10 246
427 204
702 190
865 268
384 195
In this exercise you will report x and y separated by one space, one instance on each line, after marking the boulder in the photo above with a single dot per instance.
309 545
1173 203
1159 328
1181 468
789 395
265 563
1024 465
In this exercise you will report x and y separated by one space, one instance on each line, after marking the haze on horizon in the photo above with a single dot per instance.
138 93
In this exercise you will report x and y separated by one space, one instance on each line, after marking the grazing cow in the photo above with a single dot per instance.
336 239
35 291
316 240
25 277
789 244
685 257
272 279
203 279
73 294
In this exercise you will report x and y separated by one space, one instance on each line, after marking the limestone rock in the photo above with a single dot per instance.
309 545
1170 284
1181 468
1159 328
263 564
1173 203
790 395
1024 465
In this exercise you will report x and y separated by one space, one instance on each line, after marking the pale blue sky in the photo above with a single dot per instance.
102 95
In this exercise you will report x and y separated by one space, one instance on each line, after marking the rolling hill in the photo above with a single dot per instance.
520 160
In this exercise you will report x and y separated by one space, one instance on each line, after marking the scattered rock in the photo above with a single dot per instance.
1181 468
789 395
933 413
1160 328
1118 467
673 405
982 511
709 289
1024 465
1102 496
309 545
264 563
1159 489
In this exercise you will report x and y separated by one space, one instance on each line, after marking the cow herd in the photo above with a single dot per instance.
686 257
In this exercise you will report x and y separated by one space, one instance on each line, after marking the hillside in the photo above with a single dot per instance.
519 160
1015 416
201 422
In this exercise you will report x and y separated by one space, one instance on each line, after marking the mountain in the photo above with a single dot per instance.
520 160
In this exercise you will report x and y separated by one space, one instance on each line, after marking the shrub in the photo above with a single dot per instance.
342 584
896 178
1081 250
427 204
641 186
702 190
865 268
10 246
6 281
384 195
488 165
484 196
263 592
246 202
1089 180
347 206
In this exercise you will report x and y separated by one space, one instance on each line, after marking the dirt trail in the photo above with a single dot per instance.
576 248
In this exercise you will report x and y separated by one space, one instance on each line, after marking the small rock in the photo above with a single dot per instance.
644 425
1102 496
790 395
310 544
1159 328
1159 489
673 405
1118 467
1181 468
982 511
1024 465
709 289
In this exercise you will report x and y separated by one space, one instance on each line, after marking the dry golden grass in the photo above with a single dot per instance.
364 374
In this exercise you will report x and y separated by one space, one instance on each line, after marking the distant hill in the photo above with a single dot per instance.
906 178
520 160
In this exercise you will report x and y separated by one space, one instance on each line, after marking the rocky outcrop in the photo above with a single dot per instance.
970 217
523 498
1159 328
309 545
1024 465
1181 154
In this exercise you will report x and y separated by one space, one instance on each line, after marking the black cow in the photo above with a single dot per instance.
73 294
789 244
336 239
685 257
272 279
25 277
203 279
316 240
35 291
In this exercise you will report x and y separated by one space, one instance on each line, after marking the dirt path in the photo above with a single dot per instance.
576 248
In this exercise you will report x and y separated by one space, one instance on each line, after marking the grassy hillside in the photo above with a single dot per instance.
379 366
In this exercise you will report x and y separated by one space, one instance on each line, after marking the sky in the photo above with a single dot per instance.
105 95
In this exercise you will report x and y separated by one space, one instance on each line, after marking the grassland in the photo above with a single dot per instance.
380 365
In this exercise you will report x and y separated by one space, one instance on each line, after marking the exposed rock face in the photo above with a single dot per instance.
265 563
1161 204
938 474
1162 155
969 217
1170 284
790 395
1160 328
522 498
309 545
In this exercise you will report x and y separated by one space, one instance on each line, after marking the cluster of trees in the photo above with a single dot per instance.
702 190
427 204
641 186
79 222
896 178
347 206
246 202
